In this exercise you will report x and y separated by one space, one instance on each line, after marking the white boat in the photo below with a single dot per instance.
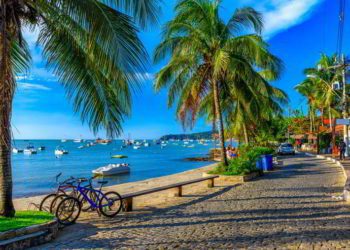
17 150
80 147
146 144
137 147
63 140
60 151
78 140
42 148
29 151
112 169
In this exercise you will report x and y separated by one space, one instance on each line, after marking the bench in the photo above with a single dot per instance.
128 198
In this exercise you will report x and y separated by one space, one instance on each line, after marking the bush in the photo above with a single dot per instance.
245 163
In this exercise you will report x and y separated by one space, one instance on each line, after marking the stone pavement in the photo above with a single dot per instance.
291 208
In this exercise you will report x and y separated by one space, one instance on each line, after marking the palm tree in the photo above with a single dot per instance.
207 53
318 88
248 107
91 46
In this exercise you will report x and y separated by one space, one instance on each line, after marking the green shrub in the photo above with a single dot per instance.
245 163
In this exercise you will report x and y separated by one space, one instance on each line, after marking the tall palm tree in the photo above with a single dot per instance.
247 107
318 88
91 46
205 52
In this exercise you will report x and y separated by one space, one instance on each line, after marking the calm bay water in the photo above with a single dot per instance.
35 174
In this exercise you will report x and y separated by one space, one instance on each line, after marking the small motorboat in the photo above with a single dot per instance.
103 141
137 147
60 151
29 150
119 156
42 148
17 150
78 140
112 169
80 147
146 144
64 140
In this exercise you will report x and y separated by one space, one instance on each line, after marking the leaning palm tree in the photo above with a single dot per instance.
204 53
91 46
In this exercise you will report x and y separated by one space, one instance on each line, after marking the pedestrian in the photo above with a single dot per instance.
342 147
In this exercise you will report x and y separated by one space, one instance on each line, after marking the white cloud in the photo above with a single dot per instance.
32 86
280 15
287 14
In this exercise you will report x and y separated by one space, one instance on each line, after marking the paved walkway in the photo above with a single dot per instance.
291 208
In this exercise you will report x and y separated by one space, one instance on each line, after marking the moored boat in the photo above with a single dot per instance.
119 156
17 150
103 141
29 150
60 151
112 169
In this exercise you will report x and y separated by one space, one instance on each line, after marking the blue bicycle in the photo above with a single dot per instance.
108 204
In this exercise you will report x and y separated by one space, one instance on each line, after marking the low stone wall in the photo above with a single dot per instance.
235 179
26 237
346 173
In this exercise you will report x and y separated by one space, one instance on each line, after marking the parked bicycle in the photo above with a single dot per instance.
108 204
85 206
65 187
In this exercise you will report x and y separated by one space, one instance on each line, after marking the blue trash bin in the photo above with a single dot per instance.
267 162
259 164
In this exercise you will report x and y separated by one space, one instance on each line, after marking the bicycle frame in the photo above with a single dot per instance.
99 194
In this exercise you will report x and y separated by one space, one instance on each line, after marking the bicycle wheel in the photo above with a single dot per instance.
57 201
110 204
68 211
45 204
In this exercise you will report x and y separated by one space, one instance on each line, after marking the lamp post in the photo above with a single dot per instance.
344 106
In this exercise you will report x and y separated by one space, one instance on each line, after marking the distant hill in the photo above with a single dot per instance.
193 136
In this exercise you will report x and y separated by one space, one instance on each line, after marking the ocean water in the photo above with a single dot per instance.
35 174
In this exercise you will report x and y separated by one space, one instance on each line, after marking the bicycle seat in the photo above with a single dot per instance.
102 182
81 179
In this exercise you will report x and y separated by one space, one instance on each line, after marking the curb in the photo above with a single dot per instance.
346 192
23 238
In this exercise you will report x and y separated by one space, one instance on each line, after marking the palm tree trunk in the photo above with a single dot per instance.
6 97
6 205
219 118
246 139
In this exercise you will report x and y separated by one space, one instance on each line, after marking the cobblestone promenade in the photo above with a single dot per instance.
291 208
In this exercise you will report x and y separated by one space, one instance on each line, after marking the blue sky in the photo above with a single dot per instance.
298 32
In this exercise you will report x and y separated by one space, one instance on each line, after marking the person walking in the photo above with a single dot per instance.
342 147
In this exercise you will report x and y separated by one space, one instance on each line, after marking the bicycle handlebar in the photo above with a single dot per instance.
58 176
